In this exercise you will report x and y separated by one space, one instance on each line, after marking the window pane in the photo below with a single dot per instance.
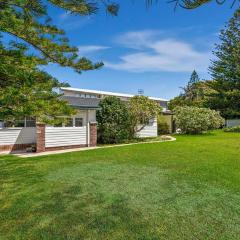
30 122
69 122
78 122
19 123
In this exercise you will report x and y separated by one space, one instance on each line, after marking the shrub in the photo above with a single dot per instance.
113 121
194 120
232 129
163 127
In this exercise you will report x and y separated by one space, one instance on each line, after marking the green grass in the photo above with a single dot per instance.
187 189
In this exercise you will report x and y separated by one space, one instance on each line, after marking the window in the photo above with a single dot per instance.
69 122
8 124
30 122
19 123
16 123
78 122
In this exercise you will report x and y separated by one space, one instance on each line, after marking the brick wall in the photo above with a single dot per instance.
93 134
40 144
15 147
65 147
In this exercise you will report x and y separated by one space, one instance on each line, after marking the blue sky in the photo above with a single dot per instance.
154 49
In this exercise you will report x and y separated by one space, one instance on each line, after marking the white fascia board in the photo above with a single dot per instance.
107 93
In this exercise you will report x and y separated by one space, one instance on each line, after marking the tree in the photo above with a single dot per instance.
142 110
192 4
113 121
192 90
225 71
29 21
27 91
194 79
193 120
193 94
24 89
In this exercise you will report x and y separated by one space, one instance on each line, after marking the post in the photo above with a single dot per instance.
93 134
40 143
87 129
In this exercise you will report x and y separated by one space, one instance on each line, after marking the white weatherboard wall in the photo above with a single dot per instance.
70 136
11 136
65 136
232 122
150 130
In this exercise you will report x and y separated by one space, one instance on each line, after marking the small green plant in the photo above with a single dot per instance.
232 129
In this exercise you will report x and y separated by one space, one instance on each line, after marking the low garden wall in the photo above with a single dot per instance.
12 139
68 136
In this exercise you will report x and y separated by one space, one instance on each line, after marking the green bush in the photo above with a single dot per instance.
232 129
113 121
163 127
194 120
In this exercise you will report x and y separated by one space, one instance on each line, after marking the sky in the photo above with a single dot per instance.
154 49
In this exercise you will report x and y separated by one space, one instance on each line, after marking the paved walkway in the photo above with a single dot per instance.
25 155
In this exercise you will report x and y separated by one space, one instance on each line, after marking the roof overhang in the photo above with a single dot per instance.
88 91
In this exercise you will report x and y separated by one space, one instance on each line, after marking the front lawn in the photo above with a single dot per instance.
187 189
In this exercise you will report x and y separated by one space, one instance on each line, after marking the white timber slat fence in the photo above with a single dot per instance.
149 130
11 136
65 136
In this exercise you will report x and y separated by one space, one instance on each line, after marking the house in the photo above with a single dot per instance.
148 131
79 131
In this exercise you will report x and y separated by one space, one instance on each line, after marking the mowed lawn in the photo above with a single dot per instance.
187 189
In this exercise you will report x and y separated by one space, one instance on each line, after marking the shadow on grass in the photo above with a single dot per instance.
70 213
33 208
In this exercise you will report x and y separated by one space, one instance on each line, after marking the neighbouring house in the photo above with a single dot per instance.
79 131
232 122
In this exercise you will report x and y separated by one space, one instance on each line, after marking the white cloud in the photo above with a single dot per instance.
137 39
90 49
65 15
70 21
154 52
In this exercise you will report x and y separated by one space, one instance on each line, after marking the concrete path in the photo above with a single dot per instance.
26 155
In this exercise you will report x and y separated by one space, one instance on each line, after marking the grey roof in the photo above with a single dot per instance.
82 102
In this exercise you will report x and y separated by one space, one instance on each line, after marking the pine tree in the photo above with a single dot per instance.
191 91
225 70
194 78
26 91
28 21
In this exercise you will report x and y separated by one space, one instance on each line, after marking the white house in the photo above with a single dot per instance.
148 131
80 130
